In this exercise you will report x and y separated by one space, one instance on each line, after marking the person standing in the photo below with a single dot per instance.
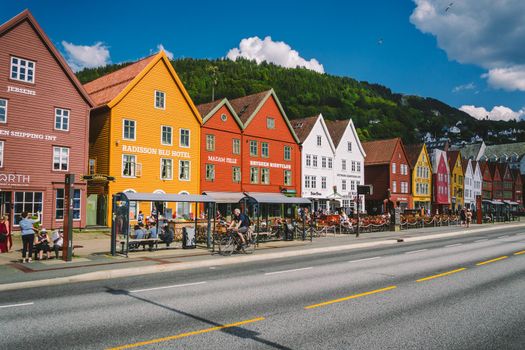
469 217
28 236
5 235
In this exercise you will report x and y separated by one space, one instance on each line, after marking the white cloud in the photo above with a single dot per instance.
465 87
277 52
497 113
486 33
161 47
82 56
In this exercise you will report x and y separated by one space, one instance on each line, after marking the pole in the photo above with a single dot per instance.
67 247
357 230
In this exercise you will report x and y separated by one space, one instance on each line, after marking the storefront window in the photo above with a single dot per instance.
32 202
59 204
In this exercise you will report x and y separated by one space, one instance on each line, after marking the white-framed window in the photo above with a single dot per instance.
270 123
166 135
61 119
394 186
353 166
128 129
166 169
307 181
343 164
358 166
210 142
129 162
184 138
349 146
160 99
61 158
265 176
3 110
314 181
314 161
288 178
210 172
323 182
253 148
352 185
22 70
393 168
265 150
2 154
236 174
319 140
236 145
323 162
308 160
92 166
330 164
343 185
254 175
287 153
32 202
59 204
184 170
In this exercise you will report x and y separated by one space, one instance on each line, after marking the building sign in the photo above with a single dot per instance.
270 165
27 135
14 179
347 175
21 90
316 194
217 159
155 151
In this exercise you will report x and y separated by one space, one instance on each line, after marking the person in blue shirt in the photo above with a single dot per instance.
139 232
240 224
153 231
28 236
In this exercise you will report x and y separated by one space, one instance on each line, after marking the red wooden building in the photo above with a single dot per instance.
387 169
497 181
507 181
44 114
440 182
517 192
486 192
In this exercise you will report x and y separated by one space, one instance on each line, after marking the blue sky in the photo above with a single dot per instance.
414 47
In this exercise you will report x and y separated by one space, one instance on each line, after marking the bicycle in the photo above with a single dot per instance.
231 242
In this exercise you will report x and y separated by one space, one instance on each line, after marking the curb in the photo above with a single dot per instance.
137 271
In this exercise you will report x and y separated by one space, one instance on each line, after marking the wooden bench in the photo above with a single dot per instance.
134 243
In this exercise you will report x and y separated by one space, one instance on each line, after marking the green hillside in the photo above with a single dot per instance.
376 111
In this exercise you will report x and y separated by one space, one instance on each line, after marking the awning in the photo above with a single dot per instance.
162 197
497 202
225 197
276 198
510 202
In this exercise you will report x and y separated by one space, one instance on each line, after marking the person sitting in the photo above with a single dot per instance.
58 241
152 229
168 235
42 244
140 233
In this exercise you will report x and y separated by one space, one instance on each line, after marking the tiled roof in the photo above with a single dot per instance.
303 126
245 106
380 152
507 148
206 108
337 128
106 88
413 152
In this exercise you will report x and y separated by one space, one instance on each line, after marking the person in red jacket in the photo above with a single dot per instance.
6 242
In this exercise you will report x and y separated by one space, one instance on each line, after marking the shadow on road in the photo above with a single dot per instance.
234 331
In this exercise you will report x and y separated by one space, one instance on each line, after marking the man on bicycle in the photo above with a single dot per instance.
240 224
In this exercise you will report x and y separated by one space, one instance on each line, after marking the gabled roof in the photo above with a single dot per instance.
304 126
247 107
493 167
380 152
502 167
413 152
452 158
337 129
470 151
508 148
27 16
207 110
464 165
110 89
516 174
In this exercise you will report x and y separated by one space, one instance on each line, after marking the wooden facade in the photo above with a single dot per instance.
421 176
456 180
44 118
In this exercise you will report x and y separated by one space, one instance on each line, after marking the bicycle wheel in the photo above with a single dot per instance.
251 244
226 245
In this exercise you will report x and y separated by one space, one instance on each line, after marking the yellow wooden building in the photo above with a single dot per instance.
144 132
457 201
421 168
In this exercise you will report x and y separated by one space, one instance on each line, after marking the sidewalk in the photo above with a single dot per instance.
92 262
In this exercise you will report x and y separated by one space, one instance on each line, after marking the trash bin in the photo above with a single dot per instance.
188 238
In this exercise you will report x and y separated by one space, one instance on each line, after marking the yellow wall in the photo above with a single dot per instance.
138 105
456 183
424 162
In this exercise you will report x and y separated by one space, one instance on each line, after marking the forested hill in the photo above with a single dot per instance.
377 112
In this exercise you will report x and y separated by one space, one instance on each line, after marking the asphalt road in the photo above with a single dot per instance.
442 294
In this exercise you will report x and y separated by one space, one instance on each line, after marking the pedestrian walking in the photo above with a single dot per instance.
469 217
6 242
27 230
463 217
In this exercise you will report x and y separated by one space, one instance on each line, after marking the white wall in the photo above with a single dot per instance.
468 185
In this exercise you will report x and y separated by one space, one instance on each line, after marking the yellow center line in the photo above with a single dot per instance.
441 274
350 297
491 260
519 253
184 335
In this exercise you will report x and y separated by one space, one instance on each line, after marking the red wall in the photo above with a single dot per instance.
441 198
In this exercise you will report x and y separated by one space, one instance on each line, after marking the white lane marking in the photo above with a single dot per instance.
15 305
354 261
416 251
286 271
453 245
481 240
503 236
166 287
